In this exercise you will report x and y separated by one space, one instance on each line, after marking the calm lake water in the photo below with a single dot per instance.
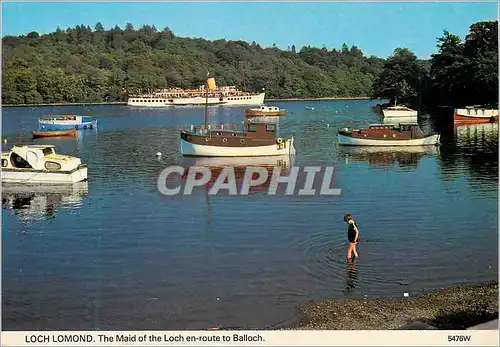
115 254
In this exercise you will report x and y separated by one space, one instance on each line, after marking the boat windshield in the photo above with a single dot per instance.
48 151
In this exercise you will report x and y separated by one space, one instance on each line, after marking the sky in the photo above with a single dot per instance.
377 28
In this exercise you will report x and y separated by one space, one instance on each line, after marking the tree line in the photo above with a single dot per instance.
84 64
460 73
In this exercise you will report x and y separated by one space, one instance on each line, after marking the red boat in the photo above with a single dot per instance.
475 115
41 134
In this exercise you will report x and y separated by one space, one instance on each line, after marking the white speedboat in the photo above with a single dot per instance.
398 112
41 164
265 110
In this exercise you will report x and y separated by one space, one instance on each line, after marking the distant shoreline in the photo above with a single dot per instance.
125 103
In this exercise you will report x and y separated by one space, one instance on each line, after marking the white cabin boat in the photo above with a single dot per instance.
264 110
398 112
41 164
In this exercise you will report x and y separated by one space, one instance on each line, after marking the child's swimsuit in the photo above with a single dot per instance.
351 232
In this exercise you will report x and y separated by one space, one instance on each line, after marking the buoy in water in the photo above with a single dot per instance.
158 154
4 140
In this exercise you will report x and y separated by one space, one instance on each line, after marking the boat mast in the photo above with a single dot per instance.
206 102
21 133
244 77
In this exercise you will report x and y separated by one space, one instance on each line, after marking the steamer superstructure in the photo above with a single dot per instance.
224 95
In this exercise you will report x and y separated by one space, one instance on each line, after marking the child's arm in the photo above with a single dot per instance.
357 232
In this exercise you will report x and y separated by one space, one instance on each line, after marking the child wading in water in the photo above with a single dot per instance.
352 235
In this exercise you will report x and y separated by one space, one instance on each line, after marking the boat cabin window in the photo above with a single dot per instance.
4 162
252 127
53 166
270 127
19 162
406 127
47 151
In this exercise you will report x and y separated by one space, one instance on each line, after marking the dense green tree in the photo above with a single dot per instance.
465 72
399 79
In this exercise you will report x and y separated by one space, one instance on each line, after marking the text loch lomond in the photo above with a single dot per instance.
75 338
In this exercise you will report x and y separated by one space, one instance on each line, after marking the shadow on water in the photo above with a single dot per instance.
352 277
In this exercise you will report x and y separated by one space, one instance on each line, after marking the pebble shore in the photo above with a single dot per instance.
454 308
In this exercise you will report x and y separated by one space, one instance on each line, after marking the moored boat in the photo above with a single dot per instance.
41 164
257 139
408 134
264 110
55 133
66 122
475 115
398 112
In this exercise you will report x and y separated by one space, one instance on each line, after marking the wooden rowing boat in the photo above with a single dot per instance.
39 134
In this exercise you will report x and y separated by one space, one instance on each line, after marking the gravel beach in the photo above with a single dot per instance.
456 307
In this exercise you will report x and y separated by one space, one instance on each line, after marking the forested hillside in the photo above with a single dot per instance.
82 64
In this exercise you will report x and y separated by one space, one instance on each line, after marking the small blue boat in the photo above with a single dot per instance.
66 122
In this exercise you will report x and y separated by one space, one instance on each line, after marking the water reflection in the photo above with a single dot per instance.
351 278
473 147
40 202
239 165
385 156
476 134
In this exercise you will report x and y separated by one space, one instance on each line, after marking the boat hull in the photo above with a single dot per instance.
351 141
198 150
399 113
257 99
42 134
10 175
256 113
68 125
